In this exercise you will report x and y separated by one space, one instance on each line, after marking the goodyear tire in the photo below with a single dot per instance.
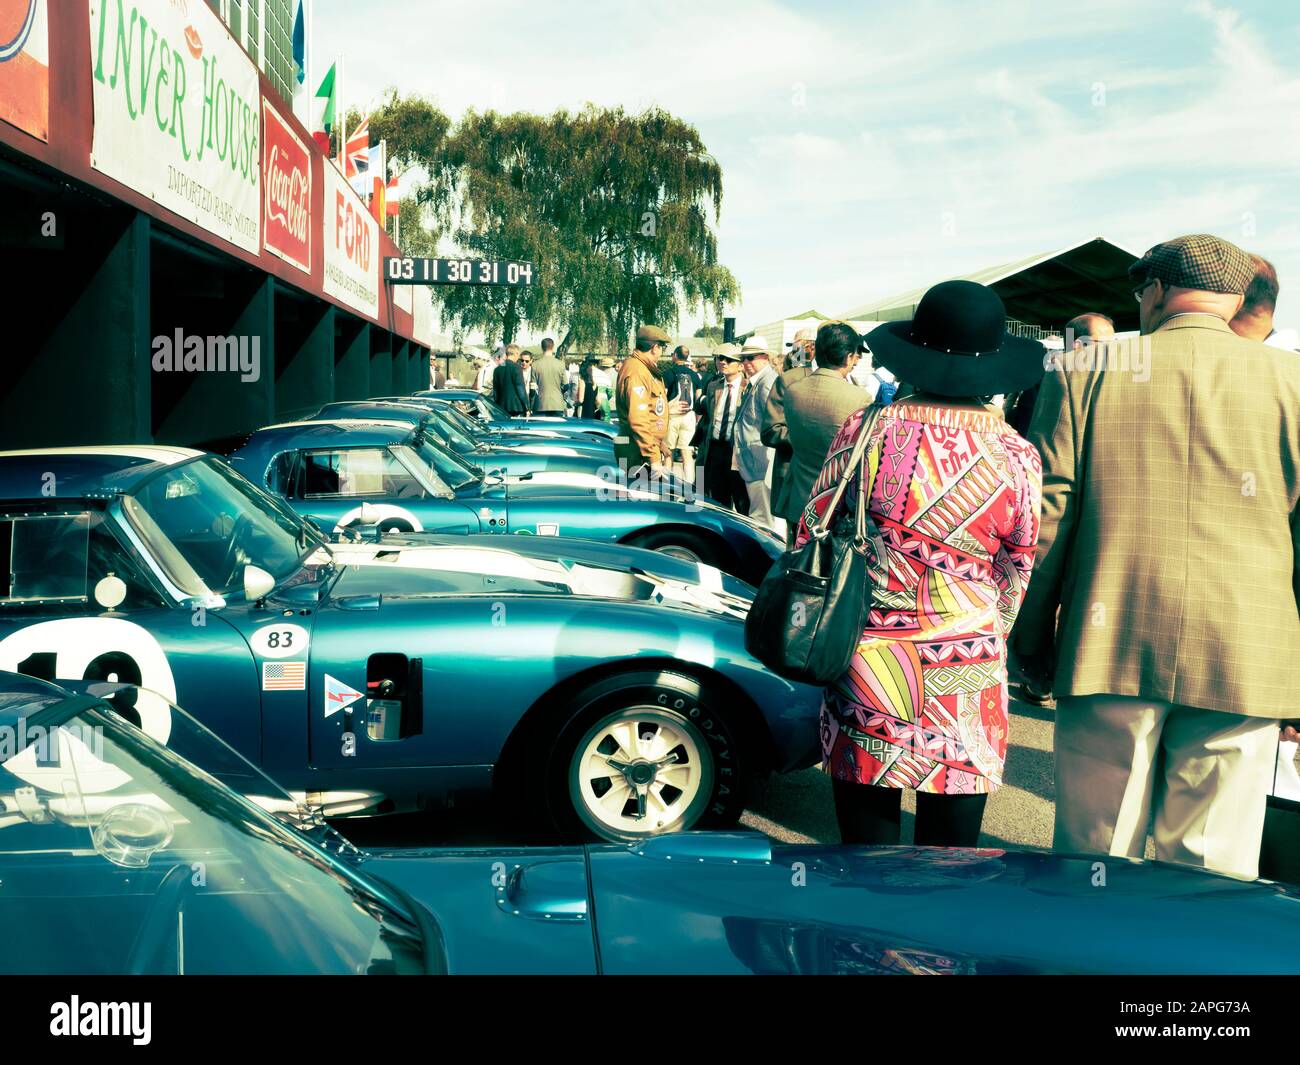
641 754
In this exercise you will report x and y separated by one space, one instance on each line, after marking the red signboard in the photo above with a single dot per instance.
286 191
25 66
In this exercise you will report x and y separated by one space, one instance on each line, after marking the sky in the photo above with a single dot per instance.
868 148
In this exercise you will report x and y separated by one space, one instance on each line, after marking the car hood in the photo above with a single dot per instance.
572 486
733 903
514 463
568 447
592 552
547 565
492 922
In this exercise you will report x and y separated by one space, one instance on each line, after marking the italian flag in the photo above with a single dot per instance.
323 111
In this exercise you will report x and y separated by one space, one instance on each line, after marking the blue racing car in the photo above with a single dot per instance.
578 456
591 689
342 473
480 406
121 856
537 442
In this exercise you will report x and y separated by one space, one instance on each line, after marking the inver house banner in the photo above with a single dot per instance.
177 114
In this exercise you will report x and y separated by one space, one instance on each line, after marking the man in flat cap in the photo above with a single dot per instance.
642 403
1168 542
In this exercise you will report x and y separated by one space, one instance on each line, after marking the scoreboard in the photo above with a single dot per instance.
409 271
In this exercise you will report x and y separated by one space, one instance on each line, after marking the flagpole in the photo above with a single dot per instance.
309 61
342 118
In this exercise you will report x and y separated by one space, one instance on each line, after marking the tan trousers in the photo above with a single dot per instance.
681 427
1202 773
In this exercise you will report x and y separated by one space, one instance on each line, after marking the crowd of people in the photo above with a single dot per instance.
544 385
1117 533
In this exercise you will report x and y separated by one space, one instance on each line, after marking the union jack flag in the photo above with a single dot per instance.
357 153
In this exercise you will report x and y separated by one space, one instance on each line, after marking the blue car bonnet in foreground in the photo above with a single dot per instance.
99 842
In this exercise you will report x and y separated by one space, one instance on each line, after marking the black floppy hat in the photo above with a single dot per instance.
958 345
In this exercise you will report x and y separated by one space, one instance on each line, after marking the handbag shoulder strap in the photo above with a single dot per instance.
820 528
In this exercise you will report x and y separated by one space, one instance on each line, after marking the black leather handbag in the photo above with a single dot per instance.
810 610
1279 851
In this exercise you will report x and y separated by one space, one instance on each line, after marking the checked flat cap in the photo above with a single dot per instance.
1200 261
653 334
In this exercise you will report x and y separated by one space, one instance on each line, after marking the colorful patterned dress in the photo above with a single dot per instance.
954 504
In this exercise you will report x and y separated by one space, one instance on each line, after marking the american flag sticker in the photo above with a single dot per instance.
284 676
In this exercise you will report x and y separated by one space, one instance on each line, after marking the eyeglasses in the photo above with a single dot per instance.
1141 289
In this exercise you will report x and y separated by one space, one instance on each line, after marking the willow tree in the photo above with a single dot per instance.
617 212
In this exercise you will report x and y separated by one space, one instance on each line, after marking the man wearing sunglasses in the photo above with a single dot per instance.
717 431
751 458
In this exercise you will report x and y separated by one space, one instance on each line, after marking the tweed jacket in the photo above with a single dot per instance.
775 434
548 375
815 408
1169 528
753 457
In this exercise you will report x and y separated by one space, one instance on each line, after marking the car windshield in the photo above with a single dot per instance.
470 426
450 432
495 413
204 523
450 468
149 864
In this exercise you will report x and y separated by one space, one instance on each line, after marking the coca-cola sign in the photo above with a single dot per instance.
286 195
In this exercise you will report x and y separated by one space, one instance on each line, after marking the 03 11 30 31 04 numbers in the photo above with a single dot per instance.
412 271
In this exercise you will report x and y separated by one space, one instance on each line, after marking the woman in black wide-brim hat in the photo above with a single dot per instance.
954 496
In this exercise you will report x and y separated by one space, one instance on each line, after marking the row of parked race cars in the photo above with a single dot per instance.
413 602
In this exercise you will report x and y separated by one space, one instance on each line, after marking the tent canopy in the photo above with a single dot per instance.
1043 290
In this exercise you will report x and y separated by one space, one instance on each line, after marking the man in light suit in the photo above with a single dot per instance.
548 372
815 408
1171 474
799 364
752 458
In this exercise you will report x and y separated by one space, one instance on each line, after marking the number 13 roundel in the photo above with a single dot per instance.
91 649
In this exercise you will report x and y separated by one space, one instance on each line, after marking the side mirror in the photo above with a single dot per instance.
369 515
257 583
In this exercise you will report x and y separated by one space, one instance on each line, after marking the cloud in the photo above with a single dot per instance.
866 150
